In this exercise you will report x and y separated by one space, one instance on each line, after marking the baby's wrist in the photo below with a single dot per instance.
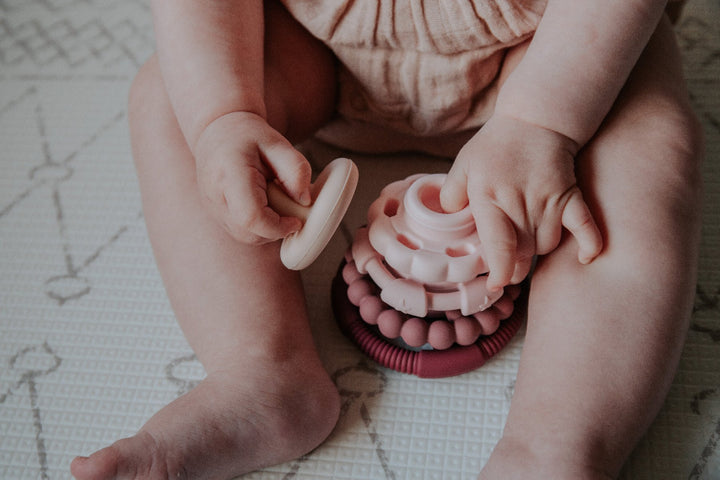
221 127
549 109
542 141
527 130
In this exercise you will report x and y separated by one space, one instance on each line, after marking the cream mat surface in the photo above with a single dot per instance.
89 348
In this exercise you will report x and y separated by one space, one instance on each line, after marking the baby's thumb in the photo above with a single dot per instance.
293 171
578 219
453 194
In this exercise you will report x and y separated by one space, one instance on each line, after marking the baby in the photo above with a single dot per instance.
573 140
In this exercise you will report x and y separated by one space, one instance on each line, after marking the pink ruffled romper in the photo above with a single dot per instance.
418 67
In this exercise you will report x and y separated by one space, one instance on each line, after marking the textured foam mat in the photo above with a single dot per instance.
89 348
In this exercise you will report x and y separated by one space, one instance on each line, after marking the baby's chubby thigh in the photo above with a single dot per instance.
640 175
604 339
642 169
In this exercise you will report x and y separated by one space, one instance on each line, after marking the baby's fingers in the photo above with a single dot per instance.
453 194
247 214
261 227
291 168
499 241
580 223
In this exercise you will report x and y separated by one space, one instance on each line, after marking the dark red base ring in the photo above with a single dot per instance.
425 363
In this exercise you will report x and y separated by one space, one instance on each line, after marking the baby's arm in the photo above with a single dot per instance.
211 59
518 172
579 59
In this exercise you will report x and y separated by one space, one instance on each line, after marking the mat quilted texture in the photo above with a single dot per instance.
89 348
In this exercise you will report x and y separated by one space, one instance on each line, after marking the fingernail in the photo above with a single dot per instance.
494 288
305 198
585 258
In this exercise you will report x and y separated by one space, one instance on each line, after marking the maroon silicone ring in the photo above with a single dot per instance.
425 363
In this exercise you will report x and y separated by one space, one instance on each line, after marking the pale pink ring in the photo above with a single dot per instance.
413 297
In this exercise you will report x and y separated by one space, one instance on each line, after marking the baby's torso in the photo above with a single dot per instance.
418 66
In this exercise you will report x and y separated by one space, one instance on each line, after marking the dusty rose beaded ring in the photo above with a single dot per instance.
411 292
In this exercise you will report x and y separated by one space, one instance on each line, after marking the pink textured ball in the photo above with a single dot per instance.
504 307
414 331
350 273
390 322
441 335
513 291
489 321
370 308
467 330
359 289
453 314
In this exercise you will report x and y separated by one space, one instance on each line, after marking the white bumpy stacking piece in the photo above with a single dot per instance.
423 259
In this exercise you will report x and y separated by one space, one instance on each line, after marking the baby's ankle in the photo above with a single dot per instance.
302 398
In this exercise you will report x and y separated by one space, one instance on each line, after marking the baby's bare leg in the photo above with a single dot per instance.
603 340
266 398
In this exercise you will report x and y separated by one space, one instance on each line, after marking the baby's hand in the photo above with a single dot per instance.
236 156
519 180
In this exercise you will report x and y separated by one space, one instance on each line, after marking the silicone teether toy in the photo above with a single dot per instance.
412 290
331 195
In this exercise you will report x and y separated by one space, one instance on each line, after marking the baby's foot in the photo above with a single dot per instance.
232 423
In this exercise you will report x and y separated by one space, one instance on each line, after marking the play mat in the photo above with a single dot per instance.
89 348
